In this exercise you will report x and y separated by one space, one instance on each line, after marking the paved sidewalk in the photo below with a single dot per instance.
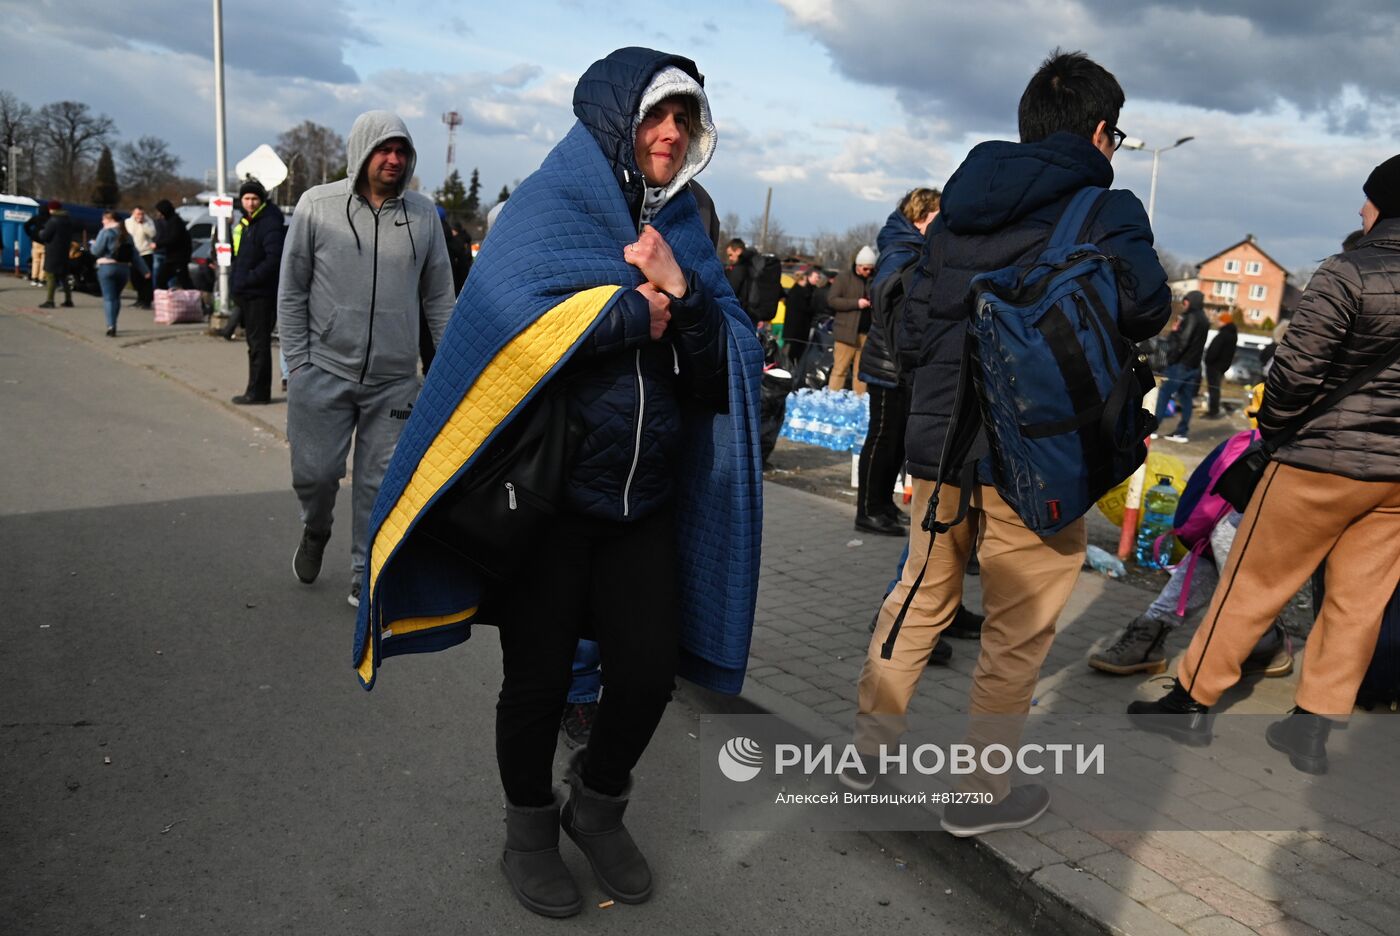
820 585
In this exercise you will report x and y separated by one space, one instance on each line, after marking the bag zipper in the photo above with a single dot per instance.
510 494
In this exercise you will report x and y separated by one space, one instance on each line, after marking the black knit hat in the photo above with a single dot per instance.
254 187
1383 187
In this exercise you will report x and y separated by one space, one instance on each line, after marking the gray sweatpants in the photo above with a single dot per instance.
323 413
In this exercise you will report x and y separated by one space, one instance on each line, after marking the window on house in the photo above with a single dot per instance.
1232 266
1258 292
1228 290
1254 268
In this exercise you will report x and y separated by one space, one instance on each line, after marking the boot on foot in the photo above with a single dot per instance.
594 821
532 863
1176 715
1137 650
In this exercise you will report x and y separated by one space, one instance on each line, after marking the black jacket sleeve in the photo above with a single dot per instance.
627 324
698 334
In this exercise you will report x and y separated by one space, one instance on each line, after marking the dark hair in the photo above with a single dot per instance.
736 242
1071 93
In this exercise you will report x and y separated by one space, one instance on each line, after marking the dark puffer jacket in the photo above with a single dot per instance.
625 390
1348 318
899 244
999 208
56 236
1187 341
259 257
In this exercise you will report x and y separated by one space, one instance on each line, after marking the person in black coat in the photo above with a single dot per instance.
1218 358
173 247
1185 347
33 228
257 262
797 319
57 236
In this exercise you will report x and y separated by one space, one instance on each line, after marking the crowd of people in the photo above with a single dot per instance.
598 412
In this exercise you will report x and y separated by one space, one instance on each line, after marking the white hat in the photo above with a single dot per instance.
867 256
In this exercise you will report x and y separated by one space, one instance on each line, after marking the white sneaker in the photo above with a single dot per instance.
1154 436
1175 437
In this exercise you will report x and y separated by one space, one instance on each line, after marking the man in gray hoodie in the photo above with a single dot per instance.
363 257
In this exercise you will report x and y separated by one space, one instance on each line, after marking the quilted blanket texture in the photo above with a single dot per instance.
547 273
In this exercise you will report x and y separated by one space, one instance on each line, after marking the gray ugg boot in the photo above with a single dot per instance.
594 822
532 863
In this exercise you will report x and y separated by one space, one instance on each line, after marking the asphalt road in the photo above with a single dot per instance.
184 747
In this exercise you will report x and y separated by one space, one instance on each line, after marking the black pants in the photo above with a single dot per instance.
259 315
1213 378
882 454
142 284
616 583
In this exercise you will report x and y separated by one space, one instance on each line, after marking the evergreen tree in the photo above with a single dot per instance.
453 194
505 193
472 208
105 191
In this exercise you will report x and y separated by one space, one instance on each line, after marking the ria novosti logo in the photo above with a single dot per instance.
741 759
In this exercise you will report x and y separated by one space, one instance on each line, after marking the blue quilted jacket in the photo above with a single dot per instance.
548 277
626 392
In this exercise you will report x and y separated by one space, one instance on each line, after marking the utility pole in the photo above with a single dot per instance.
12 174
453 121
220 144
767 206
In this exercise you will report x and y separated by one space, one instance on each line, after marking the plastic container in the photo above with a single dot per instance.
1158 516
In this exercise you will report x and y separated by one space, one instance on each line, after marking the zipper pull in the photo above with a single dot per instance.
510 494
675 361
1083 318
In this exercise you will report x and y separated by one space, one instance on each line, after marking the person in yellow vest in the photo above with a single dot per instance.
257 258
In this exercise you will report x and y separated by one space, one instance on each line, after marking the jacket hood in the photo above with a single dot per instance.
608 101
371 129
1195 301
898 242
1000 182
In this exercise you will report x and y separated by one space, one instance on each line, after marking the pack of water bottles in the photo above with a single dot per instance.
832 419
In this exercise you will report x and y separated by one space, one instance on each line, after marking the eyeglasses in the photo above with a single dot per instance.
1118 136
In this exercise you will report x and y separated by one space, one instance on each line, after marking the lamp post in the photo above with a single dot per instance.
1132 505
1133 143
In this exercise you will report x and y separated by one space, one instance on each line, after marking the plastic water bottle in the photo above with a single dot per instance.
1158 516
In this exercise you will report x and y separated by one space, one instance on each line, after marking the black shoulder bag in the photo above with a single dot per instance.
493 516
1237 483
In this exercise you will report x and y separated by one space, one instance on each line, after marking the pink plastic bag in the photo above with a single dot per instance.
178 305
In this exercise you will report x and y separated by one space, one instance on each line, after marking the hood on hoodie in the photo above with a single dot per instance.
371 129
1195 301
612 97
1000 182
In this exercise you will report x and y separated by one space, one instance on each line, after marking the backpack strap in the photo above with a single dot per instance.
1082 205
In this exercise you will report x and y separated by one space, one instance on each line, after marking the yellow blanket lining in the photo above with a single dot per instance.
500 388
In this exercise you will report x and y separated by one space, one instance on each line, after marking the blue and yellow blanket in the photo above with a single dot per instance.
550 269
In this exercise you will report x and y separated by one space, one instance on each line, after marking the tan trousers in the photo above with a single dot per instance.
1296 519
1026 581
846 360
36 261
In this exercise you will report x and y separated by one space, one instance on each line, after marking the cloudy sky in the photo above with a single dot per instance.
838 106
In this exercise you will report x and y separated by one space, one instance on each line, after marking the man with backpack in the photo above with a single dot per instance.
1330 420
756 278
1002 207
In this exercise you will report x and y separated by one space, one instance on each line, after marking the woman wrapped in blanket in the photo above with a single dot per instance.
610 561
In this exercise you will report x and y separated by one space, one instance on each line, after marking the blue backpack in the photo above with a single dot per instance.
1060 388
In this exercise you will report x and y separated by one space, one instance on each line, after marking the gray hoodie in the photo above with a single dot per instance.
353 280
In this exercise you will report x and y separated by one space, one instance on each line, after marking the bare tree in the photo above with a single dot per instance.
71 136
148 168
314 153
1175 267
16 129
728 228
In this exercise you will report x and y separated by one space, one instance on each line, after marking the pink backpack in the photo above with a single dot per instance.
1199 510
